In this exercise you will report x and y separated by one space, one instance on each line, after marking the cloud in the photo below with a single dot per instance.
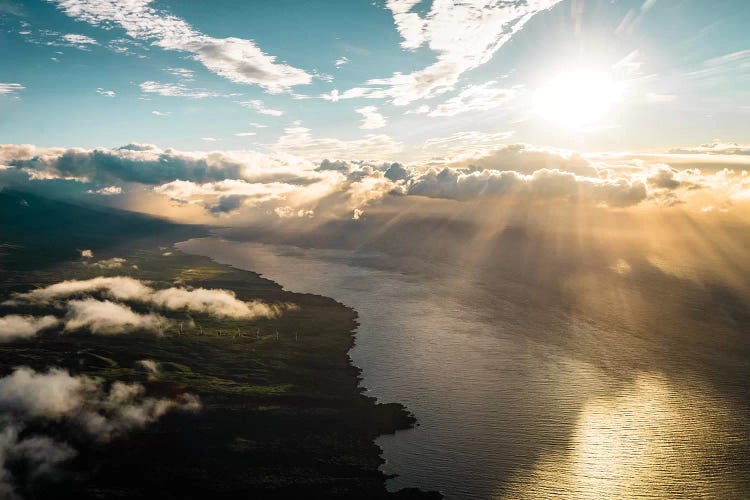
341 61
105 317
371 118
175 90
79 41
109 317
41 454
113 263
220 303
107 191
181 73
297 140
475 98
235 59
209 139
14 326
87 254
715 148
464 35
245 134
543 184
10 88
116 287
55 395
161 113
105 93
258 106
520 158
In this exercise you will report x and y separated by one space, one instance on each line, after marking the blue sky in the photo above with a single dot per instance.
678 91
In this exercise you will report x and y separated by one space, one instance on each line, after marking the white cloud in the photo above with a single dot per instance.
475 98
87 254
209 139
184 74
113 263
465 35
84 402
105 93
15 326
10 88
371 118
245 134
220 303
79 41
258 106
107 191
175 90
116 287
105 317
161 113
236 59
341 61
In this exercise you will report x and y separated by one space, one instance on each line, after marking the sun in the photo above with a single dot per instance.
577 99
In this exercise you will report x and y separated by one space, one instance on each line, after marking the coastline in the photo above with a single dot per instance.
280 417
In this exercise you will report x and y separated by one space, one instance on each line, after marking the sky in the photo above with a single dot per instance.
204 109
95 73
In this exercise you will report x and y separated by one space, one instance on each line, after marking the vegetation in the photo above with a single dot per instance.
282 417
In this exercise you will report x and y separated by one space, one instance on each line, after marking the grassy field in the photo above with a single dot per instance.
282 417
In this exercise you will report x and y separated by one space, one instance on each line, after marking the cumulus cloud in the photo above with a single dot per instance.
100 412
135 163
15 326
371 119
87 254
236 59
543 184
249 186
220 303
464 35
116 287
106 316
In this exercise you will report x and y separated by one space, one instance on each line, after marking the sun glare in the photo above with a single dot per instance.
577 99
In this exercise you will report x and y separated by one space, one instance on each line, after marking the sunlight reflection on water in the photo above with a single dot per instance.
505 414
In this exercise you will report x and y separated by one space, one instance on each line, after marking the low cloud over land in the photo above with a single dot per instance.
101 413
